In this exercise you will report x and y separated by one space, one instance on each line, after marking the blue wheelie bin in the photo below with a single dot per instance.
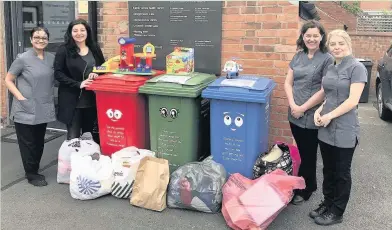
239 116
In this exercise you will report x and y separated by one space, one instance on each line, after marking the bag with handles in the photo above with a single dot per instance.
91 176
83 146
278 158
125 164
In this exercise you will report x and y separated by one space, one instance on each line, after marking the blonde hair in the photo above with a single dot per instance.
343 34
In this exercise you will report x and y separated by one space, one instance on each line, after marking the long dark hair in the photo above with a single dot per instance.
309 25
70 44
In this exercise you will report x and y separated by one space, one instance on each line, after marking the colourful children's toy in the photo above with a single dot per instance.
143 61
127 46
180 61
129 62
108 67
232 69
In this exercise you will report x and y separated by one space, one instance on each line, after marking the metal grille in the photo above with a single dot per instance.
380 22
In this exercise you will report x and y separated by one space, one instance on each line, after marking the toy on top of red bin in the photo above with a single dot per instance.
129 62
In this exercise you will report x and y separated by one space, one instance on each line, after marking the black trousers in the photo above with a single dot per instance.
337 176
307 143
31 140
82 122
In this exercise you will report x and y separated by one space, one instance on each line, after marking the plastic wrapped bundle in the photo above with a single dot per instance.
197 186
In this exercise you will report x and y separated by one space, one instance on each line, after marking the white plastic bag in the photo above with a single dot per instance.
84 146
91 176
125 164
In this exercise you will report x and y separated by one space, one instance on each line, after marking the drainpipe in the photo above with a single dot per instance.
93 18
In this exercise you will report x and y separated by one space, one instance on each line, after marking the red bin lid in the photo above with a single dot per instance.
120 83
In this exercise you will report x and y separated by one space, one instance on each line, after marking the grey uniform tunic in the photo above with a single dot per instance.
35 80
342 131
307 74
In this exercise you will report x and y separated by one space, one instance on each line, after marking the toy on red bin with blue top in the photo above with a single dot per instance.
232 69
197 186
129 62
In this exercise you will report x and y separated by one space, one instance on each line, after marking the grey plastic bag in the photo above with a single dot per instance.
197 186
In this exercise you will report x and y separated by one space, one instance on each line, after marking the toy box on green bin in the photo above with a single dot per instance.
180 61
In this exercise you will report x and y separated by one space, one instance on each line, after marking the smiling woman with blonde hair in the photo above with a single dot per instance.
339 127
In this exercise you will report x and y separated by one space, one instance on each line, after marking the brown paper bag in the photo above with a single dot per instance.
152 179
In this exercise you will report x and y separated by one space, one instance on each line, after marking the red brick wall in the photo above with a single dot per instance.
112 24
365 45
334 16
261 34
376 5
2 66
83 16
371 46
329 22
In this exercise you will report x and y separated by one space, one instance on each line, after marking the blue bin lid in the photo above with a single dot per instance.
244 88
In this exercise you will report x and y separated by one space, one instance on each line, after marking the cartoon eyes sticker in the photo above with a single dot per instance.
164 113
117 114
114 115
227 120
173 113
238 121
110 113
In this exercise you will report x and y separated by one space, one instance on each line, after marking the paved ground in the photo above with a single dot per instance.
51 207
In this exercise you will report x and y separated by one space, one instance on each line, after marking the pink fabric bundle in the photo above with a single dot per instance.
254 204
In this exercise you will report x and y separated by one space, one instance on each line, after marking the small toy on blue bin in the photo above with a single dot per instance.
232 69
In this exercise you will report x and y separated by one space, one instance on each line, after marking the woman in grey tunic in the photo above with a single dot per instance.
302 86
33 103
339 132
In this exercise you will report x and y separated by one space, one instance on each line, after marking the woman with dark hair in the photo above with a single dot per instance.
303 90
73 67
33 101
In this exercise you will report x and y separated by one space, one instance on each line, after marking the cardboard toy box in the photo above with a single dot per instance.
180 61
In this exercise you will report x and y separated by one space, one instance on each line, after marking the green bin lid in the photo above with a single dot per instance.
177 85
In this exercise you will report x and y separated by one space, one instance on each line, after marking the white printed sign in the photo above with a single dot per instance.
56 17
174 79
238 83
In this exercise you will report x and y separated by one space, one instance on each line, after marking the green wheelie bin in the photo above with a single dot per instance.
179 118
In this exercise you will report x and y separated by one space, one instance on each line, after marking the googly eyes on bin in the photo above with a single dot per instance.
227 120
163 112
173 113
114 115
117 114
238 121
110 113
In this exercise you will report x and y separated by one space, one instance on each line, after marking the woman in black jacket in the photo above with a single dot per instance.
73 67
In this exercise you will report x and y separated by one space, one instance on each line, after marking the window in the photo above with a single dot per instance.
54 15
